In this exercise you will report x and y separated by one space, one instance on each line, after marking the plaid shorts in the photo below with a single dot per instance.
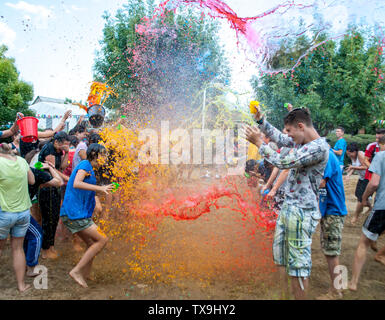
331 234
293 238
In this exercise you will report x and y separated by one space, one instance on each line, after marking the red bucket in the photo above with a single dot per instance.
28 128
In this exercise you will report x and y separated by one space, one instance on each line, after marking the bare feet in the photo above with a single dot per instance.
78 277
31 272
24 288
353 221
379 258
352 286
48 254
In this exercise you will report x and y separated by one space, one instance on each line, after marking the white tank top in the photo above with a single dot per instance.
357 163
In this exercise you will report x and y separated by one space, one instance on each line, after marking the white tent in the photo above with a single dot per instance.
50 114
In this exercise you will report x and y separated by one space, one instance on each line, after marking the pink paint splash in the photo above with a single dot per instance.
257 40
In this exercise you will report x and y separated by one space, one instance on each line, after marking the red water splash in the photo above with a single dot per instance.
197 204
242 25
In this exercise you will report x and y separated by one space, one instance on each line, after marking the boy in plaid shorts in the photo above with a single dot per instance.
333 209
300 213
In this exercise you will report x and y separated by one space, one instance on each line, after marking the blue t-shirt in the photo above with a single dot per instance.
1 133
341 145
78 203
332 198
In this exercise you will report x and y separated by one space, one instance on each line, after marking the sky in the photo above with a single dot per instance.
54 42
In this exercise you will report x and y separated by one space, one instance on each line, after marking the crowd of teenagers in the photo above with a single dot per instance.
302 175
57 177
61 176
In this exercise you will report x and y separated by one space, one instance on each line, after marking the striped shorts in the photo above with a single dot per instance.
374 224
293 238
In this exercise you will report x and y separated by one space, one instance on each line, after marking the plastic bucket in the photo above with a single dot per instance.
96 115
28 129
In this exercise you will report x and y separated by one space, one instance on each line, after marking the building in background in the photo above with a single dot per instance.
49 111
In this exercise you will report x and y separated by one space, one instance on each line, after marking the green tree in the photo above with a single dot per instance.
341 83
155 64
14 93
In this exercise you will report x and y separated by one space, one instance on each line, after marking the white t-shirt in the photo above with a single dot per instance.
76 160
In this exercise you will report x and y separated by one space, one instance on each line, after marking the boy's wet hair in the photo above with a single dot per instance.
250 165
352 147
73 141
298 115
79 128
60 137
341 128
94 150
381 140
380 131
95 138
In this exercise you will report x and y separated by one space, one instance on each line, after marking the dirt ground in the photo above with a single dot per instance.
225 282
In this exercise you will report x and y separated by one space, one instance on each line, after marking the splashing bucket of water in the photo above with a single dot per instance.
28 129
96 115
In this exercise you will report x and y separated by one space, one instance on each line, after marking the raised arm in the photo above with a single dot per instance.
304 156
12 130
271 132
282 140
60 127
297 158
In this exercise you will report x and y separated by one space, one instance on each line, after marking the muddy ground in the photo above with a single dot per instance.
241 281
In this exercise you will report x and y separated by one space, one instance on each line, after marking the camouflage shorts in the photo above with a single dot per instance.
331 234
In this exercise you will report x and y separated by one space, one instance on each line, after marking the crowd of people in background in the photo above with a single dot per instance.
64 187
296 170
305 185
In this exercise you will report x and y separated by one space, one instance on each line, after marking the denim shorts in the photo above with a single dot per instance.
14 223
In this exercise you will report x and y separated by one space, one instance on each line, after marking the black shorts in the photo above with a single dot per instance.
374 224
360 188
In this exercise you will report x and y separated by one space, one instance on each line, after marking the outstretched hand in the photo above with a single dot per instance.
271 194
107 188
258 114
253 135
67 115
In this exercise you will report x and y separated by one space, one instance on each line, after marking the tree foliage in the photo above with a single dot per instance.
156 63
340 82
14 93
